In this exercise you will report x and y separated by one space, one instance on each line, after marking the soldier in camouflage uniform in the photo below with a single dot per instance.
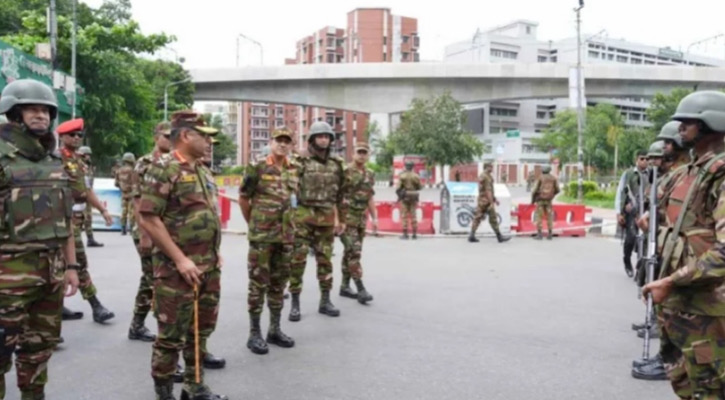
691 282
360 200
86 156
545 189
267 198
37 255
142 241
70 134
408 191
124 178
321 214
177 209
486 201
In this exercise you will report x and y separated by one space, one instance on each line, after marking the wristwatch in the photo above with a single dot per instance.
74 267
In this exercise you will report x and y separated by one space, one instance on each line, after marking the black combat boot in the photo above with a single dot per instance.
628 267
472 238
178 376
639 363
212 362
32 395
294 312
164 389
100 314
138 331
415 233
123 230
275 334
538 235
92 242
255 342
346 290
202 393
654 371
501 238
550 236
326 306
69 315
362 295
405 234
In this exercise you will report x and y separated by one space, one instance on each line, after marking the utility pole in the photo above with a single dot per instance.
53 30
73 59
579 95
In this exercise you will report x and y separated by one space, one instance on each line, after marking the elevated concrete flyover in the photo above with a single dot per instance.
390 87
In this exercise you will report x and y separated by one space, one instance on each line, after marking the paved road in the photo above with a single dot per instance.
450 320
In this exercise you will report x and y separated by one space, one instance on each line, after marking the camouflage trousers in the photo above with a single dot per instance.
352 239
269 270
544 207
127 217
321 239
484 210
87 288
174 308
408 211
31 300
693 351
89 220
145 293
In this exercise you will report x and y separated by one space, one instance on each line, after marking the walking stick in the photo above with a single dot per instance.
196 334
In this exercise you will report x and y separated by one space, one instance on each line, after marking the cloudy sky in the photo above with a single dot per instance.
206 31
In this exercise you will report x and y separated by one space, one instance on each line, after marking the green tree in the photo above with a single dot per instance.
122 91
225 149
434 128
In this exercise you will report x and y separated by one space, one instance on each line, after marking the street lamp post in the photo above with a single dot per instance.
579 117
240 132
261 48
166 96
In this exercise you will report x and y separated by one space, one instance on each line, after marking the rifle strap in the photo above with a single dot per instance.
674 235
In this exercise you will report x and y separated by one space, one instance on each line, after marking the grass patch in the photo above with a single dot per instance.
599 203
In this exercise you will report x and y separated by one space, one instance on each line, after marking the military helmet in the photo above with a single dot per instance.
85 151
320 128
671 131
546 169
656 149
28 92
129 157
409 164
707 106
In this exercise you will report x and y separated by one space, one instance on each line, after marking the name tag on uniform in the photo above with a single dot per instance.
187 178
267 177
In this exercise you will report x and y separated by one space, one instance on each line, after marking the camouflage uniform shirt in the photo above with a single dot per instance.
362 188
182 195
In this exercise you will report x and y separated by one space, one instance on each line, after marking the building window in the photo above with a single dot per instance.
405 39
405 56
593 54
636 61
385 40
554 58
504 54
541 114
610 57
416 57
503 112
331 58
385 57
621 59
528 30
542 59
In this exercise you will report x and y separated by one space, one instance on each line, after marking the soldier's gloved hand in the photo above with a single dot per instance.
71 282
189 271
107 217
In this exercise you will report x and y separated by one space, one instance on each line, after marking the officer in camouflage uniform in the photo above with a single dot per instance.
690 288
86 154
545 189
486 201
124 178
37 255
408 191
361 192
70 134
320 215
177 209
267 198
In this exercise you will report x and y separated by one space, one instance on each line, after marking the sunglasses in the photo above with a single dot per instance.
362 152
76 135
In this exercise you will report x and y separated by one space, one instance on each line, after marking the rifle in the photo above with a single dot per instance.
400 192
640 210
651 262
